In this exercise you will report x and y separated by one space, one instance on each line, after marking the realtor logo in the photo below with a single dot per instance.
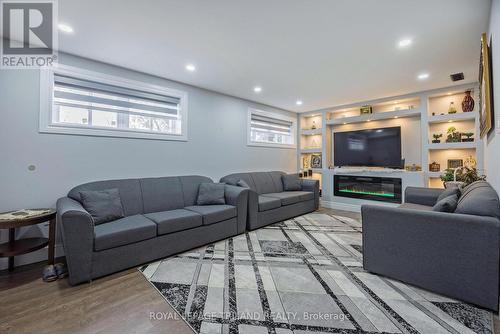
29 35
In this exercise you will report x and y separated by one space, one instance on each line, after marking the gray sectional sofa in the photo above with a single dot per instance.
451 253
268 202
160 218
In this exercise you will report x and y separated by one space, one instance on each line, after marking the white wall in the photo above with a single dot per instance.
217 145
492 144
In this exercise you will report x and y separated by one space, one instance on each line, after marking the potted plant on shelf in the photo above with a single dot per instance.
437 138
469 137
453 135
461 176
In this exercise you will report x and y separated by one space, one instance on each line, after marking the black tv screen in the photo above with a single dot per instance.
372 148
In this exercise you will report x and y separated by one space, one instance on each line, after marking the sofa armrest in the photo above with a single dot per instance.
422 196
313 186
238 197
77 230
448 253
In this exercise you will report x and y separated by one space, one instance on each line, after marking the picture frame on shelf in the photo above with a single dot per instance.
366 110
316 161
455 163
485 93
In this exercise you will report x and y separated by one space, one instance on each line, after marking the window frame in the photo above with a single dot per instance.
46 105
276 115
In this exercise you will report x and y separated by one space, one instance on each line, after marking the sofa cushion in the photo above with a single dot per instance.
291 182
214 213
292 197
448 192
190 188
211 194
123 231
268 203
162 194
447 204
479 199
415 207
232 179
264 182
278 183
130 193
103 205
175 220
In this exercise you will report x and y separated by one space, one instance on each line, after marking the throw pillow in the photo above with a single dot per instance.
447 204
211 194
291 182
242 183
479 199
103 205
448 192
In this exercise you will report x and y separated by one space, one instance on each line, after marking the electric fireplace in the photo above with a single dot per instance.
385 189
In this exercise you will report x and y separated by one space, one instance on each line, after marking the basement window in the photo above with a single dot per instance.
271 129
80 102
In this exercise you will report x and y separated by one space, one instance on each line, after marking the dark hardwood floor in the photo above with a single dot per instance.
119 303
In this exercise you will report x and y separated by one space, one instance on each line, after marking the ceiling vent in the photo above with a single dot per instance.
457 76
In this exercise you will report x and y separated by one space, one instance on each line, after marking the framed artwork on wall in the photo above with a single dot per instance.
316 161
485 101
455 163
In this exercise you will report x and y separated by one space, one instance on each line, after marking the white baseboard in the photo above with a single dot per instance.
38 256
341 206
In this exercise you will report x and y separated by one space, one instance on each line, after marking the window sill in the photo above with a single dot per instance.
68 130
270 145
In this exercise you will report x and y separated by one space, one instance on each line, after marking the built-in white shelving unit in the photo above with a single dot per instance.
311 132
420 115
449 118
311 150
453 146
375 117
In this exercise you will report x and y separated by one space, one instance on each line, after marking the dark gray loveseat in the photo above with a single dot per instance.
269 203
161 219
454 254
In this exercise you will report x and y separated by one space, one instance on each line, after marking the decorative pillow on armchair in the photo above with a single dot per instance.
291 182
447 204
448 192
211 194
103 205
243 184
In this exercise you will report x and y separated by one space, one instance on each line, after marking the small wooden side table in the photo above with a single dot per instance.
15 219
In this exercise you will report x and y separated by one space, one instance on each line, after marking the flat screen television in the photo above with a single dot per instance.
371 148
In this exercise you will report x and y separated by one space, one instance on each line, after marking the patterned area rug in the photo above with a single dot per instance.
301 276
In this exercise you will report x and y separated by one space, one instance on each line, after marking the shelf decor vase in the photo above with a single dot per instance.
452 109
467 102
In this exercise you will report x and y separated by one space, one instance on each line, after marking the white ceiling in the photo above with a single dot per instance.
324 52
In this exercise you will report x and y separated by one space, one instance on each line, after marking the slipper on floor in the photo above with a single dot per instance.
61 270
49 274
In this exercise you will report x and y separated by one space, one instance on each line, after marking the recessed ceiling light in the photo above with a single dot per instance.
65 28
345 123
257 89
190 67
299 102
396 117
368 120
448 93
404 43
423 76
